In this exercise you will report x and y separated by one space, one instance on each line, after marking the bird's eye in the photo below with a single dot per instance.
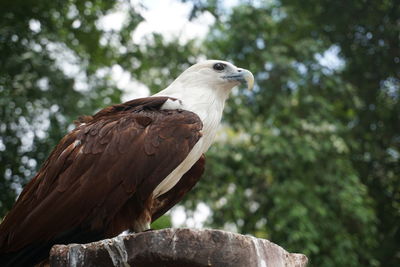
219 66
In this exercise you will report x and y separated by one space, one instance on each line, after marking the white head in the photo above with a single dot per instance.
203 89
218 74
215 75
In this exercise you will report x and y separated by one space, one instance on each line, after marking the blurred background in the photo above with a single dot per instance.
309 159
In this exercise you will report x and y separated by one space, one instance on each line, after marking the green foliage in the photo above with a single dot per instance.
162 222
39 100
312 156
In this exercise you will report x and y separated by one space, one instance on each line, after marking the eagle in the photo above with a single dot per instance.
121 168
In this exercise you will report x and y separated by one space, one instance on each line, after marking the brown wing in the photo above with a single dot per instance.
97 168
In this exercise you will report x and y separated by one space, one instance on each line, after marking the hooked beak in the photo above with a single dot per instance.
243 76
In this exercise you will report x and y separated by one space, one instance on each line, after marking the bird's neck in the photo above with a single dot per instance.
207 102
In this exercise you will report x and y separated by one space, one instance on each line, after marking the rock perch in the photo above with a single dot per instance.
177 247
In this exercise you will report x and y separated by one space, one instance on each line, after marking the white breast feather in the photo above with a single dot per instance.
209 109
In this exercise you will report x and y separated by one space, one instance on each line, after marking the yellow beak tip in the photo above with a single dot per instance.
248 76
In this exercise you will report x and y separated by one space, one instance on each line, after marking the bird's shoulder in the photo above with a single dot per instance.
152 104
149 117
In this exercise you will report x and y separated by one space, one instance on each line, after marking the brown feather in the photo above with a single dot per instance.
101 176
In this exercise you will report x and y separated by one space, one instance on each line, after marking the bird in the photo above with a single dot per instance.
121 168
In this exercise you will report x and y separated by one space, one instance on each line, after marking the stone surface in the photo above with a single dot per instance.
177 247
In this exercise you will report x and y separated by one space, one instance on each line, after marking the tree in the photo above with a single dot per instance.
50 53
368 36
310 159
